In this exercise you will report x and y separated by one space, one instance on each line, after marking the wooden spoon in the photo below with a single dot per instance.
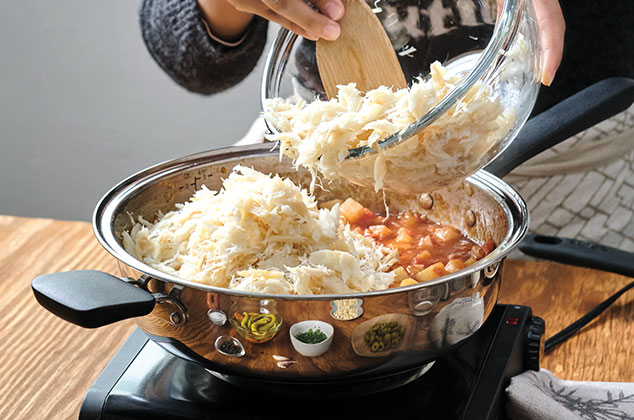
362 54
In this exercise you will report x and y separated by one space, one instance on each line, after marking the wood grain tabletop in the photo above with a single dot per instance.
47 365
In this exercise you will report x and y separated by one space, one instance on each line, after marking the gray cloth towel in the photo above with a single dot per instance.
542 396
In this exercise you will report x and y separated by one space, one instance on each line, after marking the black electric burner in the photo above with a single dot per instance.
143 381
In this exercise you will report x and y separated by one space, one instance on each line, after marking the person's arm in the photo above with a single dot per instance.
177 35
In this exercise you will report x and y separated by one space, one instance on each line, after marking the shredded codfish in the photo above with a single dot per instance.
317 135
261 233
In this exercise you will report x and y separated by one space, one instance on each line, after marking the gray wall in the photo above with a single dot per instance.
83 105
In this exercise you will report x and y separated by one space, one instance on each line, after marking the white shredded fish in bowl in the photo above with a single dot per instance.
319 134
261 233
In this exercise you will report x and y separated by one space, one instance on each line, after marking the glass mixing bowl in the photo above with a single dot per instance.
498 55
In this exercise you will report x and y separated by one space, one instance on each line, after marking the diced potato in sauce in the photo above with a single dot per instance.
427 250
400 274
403 238
407 282
354 212
455 265
425 242
446 234
433 271
380 232
423 256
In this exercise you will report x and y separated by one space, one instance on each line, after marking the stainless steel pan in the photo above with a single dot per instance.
187 318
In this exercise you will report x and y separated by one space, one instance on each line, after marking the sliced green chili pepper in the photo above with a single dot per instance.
245 319
258 324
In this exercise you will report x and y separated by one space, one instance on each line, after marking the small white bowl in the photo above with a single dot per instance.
311 350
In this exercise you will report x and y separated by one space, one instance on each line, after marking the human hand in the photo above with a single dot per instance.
295 15
550 21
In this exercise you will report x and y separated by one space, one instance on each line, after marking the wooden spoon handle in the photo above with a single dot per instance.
362 54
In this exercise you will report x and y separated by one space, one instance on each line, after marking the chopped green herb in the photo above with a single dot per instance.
311 337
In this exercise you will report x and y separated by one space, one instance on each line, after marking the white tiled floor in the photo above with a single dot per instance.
595 205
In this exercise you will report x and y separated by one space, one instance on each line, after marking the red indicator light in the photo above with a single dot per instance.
512 320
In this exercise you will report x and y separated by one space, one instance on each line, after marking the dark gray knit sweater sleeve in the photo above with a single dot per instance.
178 41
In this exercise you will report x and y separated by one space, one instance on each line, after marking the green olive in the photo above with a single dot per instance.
384 335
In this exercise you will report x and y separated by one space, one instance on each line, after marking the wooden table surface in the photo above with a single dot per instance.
47 364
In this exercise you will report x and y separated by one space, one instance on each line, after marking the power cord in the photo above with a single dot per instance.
582 254
571 329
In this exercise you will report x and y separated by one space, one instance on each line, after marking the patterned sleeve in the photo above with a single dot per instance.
177 39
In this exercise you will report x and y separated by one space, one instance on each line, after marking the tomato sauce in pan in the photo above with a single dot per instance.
426 250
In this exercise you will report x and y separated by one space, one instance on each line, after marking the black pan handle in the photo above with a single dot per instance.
91 298
579 253
569 117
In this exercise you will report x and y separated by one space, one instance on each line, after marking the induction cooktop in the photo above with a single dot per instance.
144 381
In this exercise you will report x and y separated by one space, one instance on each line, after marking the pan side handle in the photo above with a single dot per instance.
569 117
580 253
90 298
